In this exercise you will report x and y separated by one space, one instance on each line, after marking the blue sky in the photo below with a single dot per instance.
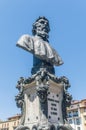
68 36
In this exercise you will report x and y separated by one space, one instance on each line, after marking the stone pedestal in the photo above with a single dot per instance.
42 99
41 111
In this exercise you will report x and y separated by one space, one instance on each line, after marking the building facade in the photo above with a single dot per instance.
76 114
11 123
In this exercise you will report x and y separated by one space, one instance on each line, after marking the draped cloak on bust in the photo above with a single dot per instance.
40 48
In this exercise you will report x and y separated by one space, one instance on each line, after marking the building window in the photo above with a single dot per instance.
78 128
7 124
75 113
17 122
78 105
85 103
14 123
84 109
85 117
70 121
5 129
78 121
2 125
69 114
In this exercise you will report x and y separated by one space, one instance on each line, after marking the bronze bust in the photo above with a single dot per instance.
44 56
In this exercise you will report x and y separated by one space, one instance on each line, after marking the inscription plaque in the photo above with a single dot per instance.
53 107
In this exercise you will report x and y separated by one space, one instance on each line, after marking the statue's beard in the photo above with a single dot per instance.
42 34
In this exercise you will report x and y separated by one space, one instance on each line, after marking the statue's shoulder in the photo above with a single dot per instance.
26 42
26 37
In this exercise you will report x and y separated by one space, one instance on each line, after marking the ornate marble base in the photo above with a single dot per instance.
43 99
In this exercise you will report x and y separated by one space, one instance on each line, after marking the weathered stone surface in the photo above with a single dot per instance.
43 100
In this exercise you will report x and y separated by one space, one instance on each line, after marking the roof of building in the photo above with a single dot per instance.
14 117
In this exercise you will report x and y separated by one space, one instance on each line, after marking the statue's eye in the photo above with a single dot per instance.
42 22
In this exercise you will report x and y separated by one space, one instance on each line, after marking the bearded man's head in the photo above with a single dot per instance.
41 28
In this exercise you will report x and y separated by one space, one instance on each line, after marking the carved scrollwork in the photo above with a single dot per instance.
34 127
64 126
42 93
65 81
20 97
21 127
47 126
66 96
42 78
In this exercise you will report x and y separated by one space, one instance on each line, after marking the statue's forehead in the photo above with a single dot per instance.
42 20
